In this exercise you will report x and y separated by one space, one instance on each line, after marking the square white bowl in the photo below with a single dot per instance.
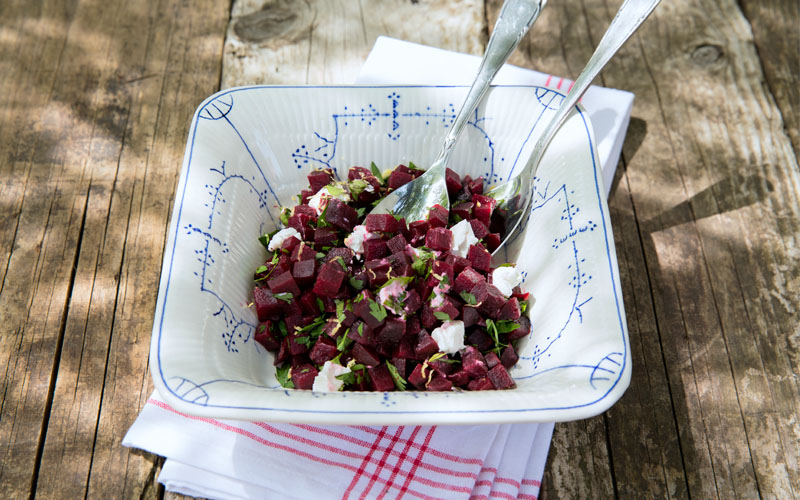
249 150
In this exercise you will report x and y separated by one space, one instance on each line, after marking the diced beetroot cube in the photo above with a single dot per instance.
296 347
283 352
291 308
438 215
377 271
473 363
439 383
479 229
483 207
266 336
459 263
413 327
329 279
491 359
341 215
441 365
492 241
480 258
417 379
427 317
418 229
362 333
284 284
289 244
463 210
522 331
302 223
369 313
392 332
509 357
375 249
358 173
397 244
305 195
405 350
303 251
308 304
400 265
400 365
303 376
500 377
413 302
324 350
467 280
305 209
470 316
382 380
480 292
318 179
493 302
510 310
397 179
303 271
403 169
345 253
442 268
426 346
381 222
439 238
459 378
449 308
366 355
499 219
267 306
333 328
325 236
480 384
476 185
453 181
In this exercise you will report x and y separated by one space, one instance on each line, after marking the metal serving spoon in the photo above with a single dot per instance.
415 199
516 194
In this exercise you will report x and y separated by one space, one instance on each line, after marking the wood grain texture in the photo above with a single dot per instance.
97 101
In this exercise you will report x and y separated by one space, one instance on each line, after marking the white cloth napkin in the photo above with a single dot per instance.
223 459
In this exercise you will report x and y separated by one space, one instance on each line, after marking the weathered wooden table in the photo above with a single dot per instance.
96 97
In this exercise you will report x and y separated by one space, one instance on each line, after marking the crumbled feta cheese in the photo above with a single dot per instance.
392 296
449 337
505 279
355 241
437 298
463 238
320 198
326 380
278 238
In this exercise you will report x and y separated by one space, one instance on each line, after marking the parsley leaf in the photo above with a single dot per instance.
321 220
356 283
282 328
376 172
468 298
505 326
284 376
284 296
344 341
441 316
377 311
286 212
399 383
264 240
357 186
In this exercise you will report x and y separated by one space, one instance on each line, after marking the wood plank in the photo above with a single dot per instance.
326 42
774 26
142 97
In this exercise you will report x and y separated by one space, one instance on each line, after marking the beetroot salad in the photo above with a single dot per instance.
350 301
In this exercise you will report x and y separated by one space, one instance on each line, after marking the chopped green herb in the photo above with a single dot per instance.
506 326
468 298
356 187
264 240
491 328
261 327
341 262
320 255
285 214
421 260
361 211
441 316
399 383
412 166
356 283
261 269
335 189
284 375
361 329
348 378
377 311
303 340
284 296
282 328
321 220
523 306
343 342
403 280
376 172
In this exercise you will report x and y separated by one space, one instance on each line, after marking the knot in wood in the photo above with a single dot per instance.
277 23
707 54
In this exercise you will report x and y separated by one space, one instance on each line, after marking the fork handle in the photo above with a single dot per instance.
514 20
629 17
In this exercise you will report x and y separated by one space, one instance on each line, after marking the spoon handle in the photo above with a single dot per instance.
629 17
514 20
